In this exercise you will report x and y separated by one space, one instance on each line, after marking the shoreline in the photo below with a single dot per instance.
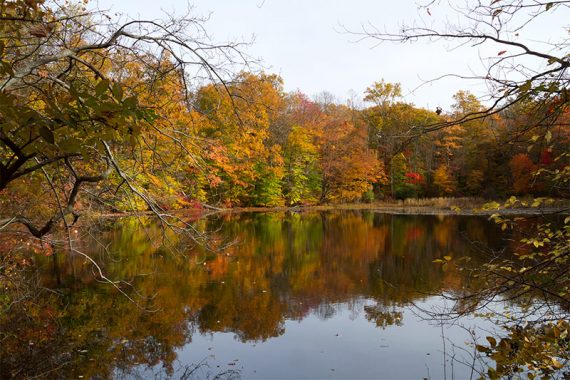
394 209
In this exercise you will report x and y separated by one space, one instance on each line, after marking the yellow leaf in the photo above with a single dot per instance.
556 363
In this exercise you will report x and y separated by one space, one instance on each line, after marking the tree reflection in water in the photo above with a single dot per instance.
283 266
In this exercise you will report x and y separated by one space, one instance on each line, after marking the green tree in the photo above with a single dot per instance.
303 179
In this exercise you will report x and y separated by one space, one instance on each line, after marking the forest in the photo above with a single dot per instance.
247 142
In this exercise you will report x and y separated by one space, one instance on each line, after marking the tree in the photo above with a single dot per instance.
502 23
389 120
402 180
348 166
70 104
383 94
302 178
522 168
239 122
443 181
522 76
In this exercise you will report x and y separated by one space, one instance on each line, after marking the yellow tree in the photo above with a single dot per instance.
443 180
251 169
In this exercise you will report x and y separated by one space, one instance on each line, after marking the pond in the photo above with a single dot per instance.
335 294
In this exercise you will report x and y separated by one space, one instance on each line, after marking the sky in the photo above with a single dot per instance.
305 42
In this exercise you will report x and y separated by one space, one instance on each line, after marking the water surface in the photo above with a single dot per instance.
295 295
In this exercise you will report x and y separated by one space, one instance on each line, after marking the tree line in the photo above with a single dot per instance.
152 116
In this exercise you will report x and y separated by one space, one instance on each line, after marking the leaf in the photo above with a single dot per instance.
549 5
525 87
491 206
548 136
556 363
130 102
492 341
101 87
502 52
117 91
447 258
70 144
47 134
481 348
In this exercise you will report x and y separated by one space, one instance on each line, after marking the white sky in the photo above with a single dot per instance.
302 40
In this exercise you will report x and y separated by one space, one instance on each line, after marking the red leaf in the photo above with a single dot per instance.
502 52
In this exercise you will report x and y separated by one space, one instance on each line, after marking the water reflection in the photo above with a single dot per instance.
285 272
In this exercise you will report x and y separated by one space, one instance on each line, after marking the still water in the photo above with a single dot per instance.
293 295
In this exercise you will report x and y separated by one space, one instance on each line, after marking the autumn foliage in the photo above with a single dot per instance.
127 130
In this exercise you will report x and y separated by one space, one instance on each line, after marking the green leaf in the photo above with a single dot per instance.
47 134
70 144
525 87
117 91
101 87
130 102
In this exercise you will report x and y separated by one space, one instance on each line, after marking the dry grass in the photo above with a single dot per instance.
441 202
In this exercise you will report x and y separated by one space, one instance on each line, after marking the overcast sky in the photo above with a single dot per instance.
302 40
